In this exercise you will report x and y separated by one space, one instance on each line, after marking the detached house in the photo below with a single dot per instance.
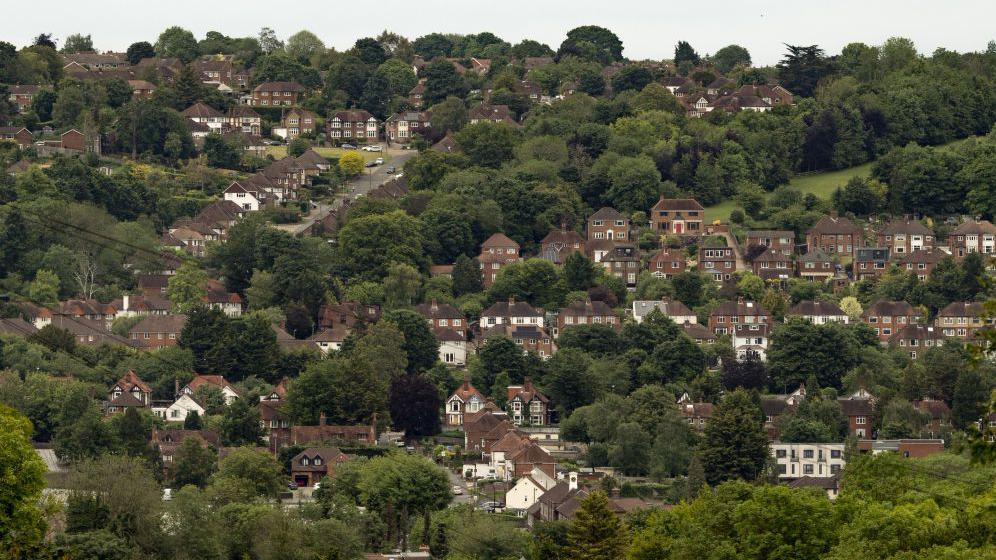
529 337
297 122
249 197
677 216
18 134
497 252
526 405
718 262
206 115
672 309
887 317
310 466
243 119
132 385
587 312
818 312
667 263
940 415
834 236
917 339
608 223
751 339
731 313
511 312
22 95
355 125
922 261
816 266
961 319
859 408
465 400
905 236
773 265
403 127
623 262
781 242
449 326
491 113
559 244
157 331
276 94
228 390
973 236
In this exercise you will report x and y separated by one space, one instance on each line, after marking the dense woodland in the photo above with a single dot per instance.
69 230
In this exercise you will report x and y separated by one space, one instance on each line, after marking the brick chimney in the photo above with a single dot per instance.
321 419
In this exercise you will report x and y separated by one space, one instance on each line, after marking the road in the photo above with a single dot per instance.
468 494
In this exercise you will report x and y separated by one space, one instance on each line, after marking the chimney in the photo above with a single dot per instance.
433 305
321 419
176 387
511 300
124 302
572 480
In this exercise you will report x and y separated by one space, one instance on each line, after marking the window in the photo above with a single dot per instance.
779 453
807 453
835 453
305 461
860 420
807 469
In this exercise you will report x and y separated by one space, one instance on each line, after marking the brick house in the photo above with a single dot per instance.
731 313
961 319
780 241
313 464
667 263
131 384
917 339
405 126
443 316
773 265
939 412
922 261
18 134
141 89
22 95
718 262
902 237
587 313
815 266
887 317
298 122
354 125
491 113
608 223
416 95
243 119
834 236
870 262
497 252
677 216
157 331
859 408
818 312
526 405
465 400
696 413
325 432
511 312
530 337
973 236
206 115
559 244
228 391
276 94
623 262
348 314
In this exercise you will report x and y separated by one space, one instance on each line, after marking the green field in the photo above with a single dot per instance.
280 152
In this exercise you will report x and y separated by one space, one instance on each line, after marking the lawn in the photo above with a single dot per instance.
280 152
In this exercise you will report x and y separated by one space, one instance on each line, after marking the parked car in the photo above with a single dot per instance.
371 164
457 490
292 485
373 148
348 147
491 507
379 161
391 169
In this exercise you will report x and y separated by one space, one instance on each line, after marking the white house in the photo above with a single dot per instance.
511 312
818 312
675 310
528 489
228 391
465 400
452 347
329 339
818 460
750 338
178 411
247 198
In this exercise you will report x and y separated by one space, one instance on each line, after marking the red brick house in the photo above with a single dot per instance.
559 244
973 236
608 223
348 314
667 263
728 314
859 408
18 134
443 316
587 313
277 94
530 337
816 266
940 415
677 216
497 252
465 400
404 127
922 261
887 317
870 262
355 125
902 237
131 384
915 340
491 113
313 464
157 331
834 236
780 241
773 264
718 262
298 122
22 95
324 432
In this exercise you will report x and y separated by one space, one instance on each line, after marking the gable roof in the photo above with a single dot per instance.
511 308
677 204
809 307
908 227
526 392
889 309
278 86
499 240
834 225
201 111
607 213
130 380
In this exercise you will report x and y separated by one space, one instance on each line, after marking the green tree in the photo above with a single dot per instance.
397 486
192 421
76 43
685 55
415 404
193 463
802 68
730 57
401 286
420 344
177 42
442 81
258 472
486 143
592 42
351 164
596 533
22 526
137 51
44 289
735 445
535 281
240 424
304 45
466 276
187 288
221 153
370 243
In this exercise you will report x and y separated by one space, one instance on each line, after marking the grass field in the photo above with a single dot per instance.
280 152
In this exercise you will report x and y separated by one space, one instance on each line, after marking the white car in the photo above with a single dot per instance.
373 148
379 161
457 490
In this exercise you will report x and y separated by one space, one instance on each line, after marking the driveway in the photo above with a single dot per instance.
468 496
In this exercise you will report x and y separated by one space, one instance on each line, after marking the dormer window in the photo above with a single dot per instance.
305 461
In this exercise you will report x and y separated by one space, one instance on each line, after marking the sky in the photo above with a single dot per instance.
647 28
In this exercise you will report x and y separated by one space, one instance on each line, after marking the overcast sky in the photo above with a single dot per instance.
648 28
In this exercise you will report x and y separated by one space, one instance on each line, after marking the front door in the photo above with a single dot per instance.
679 228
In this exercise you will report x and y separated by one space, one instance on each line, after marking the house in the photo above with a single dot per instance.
348 314
939 413
355 125
526 405
922 261
131 384
529 337
248 196
447 144
405 126
90 333
310 466
227 389
74 141
818 312
961 319
870 262
695 413
452 346
527 490
902 237
815 266
141 89
772 265
243 119
699 333
121 404
465 400
206 115
491 113
276 94
907 448
677 216
887 317
17 327
157 331
181 408
218 297
168 440
559 244
718 262
730 313
587 312
95 61
834 236
328 340
323 432
751 339
608 223
780 241
819 460
18 134
298 122
477 426
775 406
497 251
915 340
623 262
22 95
859 408
672 309
973 236
89 309
831 485
442 316
416 95
314 160
667 263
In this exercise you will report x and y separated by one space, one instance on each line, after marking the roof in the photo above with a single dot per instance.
607 213
757 233
466 391
446 144
890 309
678 204
856 407
669 307
963 309
436 310
821 482
329 456
511 308
816 255
126 400
278 86
499 240
936 409
834 225
563 236
131 380
329 335
526 392
927 256
201 111
739 307
160 324
908 227
771 255
974 227
810 308
917 332
696 331
16 326
216 380
588 308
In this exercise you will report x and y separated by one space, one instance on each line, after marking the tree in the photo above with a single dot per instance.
415 405
592 42
240 424
370 51
442 81
68 106
304 45
399 74
137 51
448 116
799 349
735 445
420 344
370 243
133 432
187 288
44 289
851 306
376 96
45 40
221 153
596 533
193 463
802 68
631 77
685 55
254 470
535 281
192 421
748 373
76 43
433 45
351 164
177 42
268 41
22 526
399 485
968 403
466 276
730 57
